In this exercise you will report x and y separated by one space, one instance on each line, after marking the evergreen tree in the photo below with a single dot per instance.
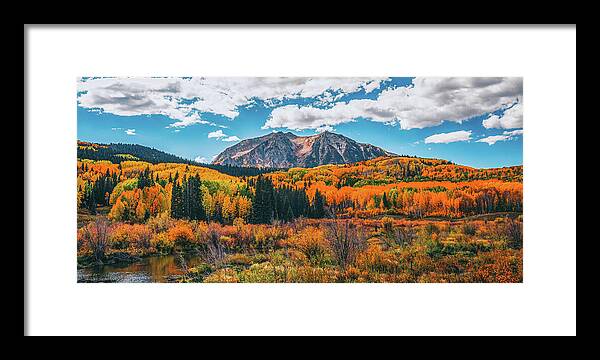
90 198
145 179
176 202
186 199
318 206
289 212
196 208
262 206
384 200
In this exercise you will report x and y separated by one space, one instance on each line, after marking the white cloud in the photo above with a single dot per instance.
200 159
506 135
220 135
514 132
116 128
216 134
371 86
428 102
130 132
191 120
296 117
445 138
491 140
183 99
324 128
511 118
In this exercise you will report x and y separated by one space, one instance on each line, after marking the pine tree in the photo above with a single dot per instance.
289 215
318 206
196 210
262 206
386 203
176 202
91 199
185 206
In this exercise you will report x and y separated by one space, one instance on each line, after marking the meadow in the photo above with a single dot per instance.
309 250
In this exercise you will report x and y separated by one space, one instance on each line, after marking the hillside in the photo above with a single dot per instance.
389 170
117 153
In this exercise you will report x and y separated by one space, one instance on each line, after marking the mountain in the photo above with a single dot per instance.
286 150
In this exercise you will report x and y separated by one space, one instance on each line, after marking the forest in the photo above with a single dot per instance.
117 153
390 219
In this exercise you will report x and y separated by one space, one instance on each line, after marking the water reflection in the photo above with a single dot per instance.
151 269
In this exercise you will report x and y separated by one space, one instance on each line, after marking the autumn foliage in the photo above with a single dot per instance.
392 219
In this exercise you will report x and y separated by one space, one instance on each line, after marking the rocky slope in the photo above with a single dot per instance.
285 150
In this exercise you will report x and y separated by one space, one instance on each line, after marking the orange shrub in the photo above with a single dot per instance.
119 237
159 223
225 275
140 236
124 236
204 232
312 243
374 259
238 259
499 266
162 243
181 234
267 237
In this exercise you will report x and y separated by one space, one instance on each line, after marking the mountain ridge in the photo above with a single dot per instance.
286 150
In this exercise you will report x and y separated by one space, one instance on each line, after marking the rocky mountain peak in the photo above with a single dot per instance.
285 150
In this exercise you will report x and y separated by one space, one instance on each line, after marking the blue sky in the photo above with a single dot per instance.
470 121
